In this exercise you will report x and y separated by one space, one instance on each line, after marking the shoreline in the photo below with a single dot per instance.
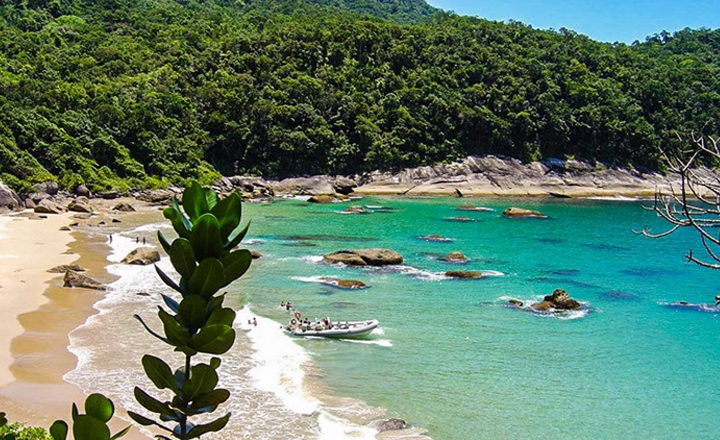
39 313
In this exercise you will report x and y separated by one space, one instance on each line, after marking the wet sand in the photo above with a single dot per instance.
38 313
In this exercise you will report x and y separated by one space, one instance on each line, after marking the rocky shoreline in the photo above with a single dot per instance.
489 176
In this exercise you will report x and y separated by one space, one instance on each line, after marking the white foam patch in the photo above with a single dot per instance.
334 428
277 360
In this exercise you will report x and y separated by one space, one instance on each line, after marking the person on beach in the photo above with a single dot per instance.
254 321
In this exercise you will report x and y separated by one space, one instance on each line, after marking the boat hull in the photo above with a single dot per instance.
343 330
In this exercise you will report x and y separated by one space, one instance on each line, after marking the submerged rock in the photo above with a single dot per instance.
391 425
514 212
434 237
464 274
142 256
455 257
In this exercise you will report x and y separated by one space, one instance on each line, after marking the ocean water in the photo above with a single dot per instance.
449 356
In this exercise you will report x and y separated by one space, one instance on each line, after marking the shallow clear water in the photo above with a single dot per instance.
450 357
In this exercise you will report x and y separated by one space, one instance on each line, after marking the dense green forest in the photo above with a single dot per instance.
143 93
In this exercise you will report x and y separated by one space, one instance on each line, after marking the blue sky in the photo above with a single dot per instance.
602 20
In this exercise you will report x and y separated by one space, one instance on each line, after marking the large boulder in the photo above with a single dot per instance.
81 204
82 191
322 198
364 257
514 212
142 256
48 187
559 300
9 201
47 206
74 279
304 186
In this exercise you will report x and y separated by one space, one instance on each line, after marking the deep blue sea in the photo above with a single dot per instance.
450 357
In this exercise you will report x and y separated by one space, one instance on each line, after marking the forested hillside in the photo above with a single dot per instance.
145 93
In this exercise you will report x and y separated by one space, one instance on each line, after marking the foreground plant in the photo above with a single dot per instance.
203 255
89 426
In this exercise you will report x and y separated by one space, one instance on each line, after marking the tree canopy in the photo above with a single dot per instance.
140 93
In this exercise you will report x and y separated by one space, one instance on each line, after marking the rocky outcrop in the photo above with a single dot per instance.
515 303
49 188
67 267
81 204
455 257
464 274
309 186
255 254
74 279
142 256
559 300
47 206
9 201
364 257
82 191
514 212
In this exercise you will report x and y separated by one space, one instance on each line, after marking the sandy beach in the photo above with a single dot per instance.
38 313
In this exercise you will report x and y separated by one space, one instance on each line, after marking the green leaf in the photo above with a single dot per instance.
171 303
212 198
205 237
163 241
182 257
228 213
144 421
224 316
203 379
75 411
86 427
186 222
208 278
236 264
100 407
178 221
215 362
167 280
214 426
208 402
59 430
121 433
159 372
194 201
236 237
215 303
152 404
213 339
193 311
3 419
176 333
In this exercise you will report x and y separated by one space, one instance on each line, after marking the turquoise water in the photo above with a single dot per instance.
453 360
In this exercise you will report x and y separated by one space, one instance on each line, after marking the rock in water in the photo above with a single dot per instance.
142 256
392 425
74 279
559 300
464 274
455 257
513 212
364 257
